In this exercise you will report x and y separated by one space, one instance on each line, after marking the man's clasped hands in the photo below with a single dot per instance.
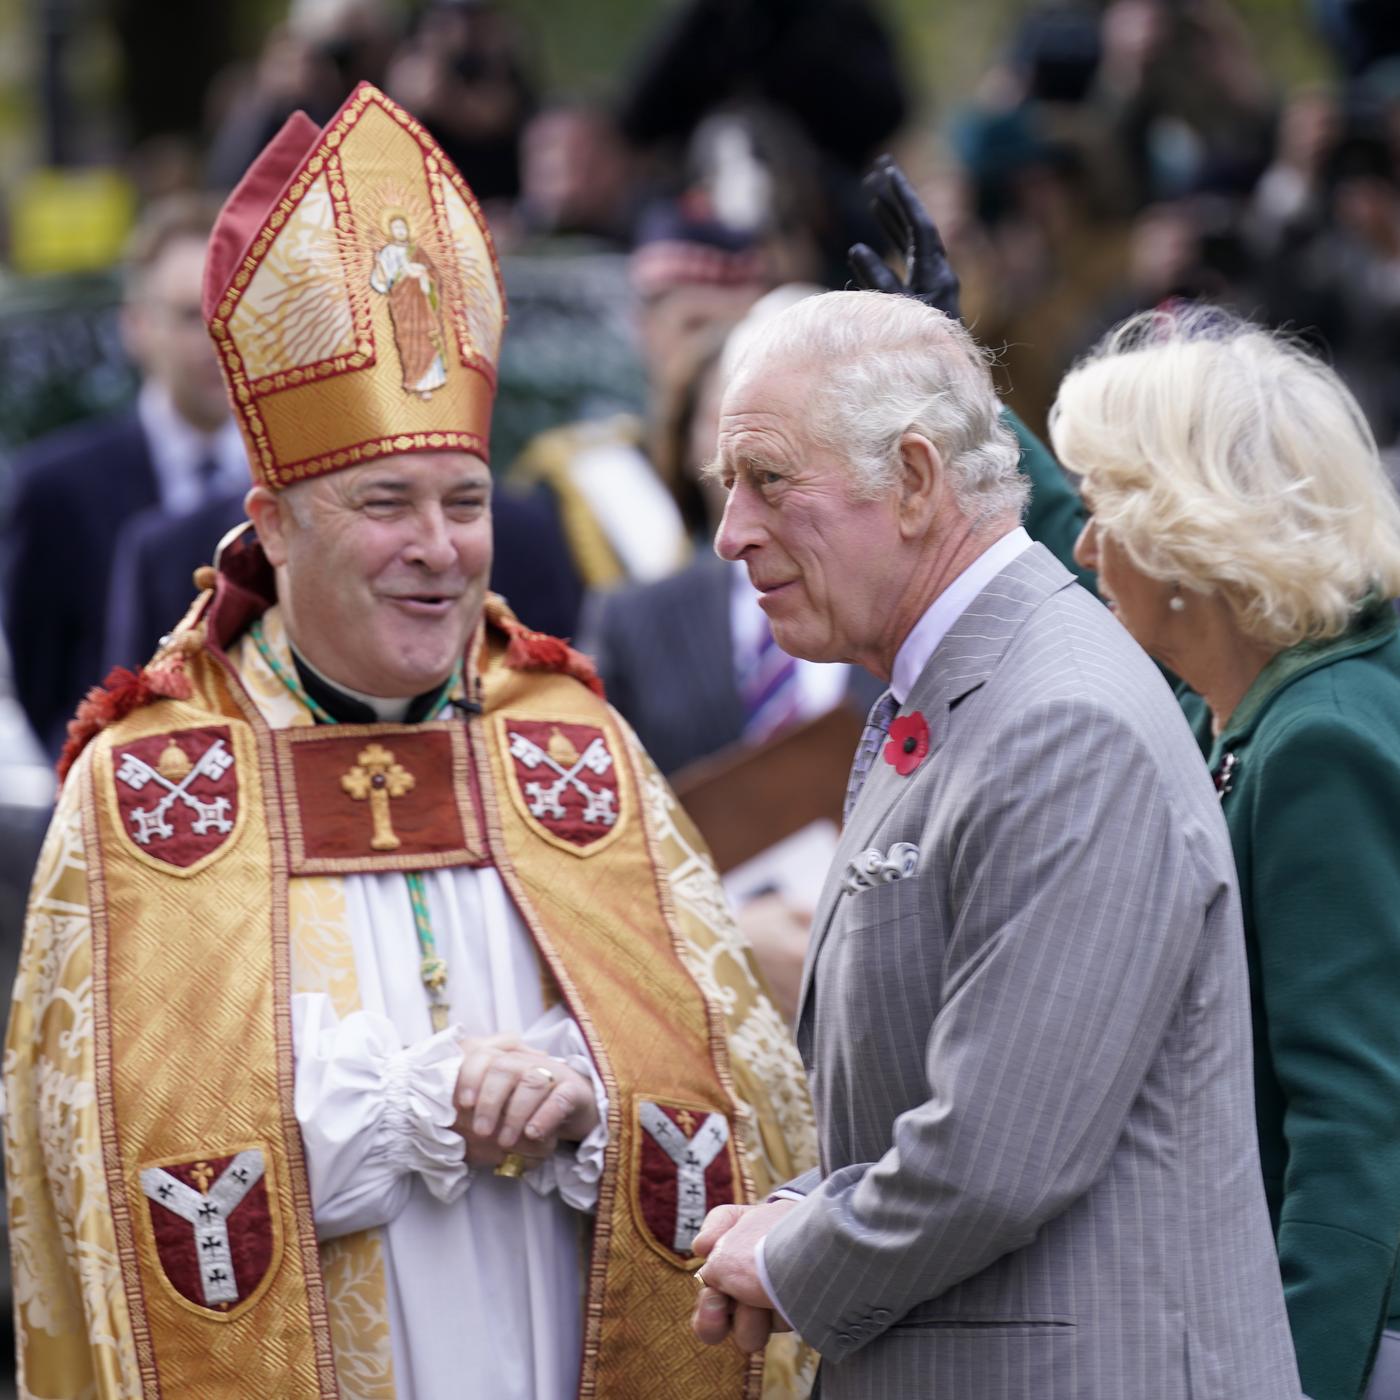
733 1301
512 1099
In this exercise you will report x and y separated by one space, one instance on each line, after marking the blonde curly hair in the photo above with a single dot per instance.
1226 459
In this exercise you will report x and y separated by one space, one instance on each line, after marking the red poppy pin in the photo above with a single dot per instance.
908 745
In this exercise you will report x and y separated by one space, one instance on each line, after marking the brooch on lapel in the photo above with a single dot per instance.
908 745
1224 776
875 867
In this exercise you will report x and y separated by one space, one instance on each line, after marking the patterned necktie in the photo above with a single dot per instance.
877 728
768 687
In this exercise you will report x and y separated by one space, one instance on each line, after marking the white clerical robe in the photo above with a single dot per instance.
485 1275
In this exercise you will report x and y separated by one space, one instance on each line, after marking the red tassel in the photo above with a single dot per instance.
122 692
538 651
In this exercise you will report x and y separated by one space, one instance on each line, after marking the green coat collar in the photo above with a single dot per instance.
1375 625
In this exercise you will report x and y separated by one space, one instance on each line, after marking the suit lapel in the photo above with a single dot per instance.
962 661
139 478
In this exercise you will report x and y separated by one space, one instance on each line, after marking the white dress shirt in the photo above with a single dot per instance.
177 449
944 611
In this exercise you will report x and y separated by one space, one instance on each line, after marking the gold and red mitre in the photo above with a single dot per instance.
353 294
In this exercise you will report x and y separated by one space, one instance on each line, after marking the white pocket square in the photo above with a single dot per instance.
873 867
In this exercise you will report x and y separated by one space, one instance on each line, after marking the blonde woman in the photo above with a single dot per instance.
1244 533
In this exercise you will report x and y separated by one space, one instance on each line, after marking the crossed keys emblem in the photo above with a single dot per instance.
566 763
174 773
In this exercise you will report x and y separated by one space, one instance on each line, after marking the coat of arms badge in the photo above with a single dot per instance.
213 1227
685 1169
565 782
177 793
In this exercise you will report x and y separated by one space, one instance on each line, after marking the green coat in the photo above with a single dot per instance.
1055 514
1310 764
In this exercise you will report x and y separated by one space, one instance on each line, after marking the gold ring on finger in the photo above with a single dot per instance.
547 1078
513 1167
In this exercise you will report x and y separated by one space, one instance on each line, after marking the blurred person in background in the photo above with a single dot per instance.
177 447
1183 92
1338 276
689 274
1290 201
462 70
1244 534
308 63
1091 114
829 68
577 179
1036 186
1184 249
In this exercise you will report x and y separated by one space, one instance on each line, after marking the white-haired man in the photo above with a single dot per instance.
1025 1013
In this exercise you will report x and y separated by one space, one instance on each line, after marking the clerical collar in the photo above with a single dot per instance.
352 707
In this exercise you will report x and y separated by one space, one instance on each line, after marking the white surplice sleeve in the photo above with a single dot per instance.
373 1114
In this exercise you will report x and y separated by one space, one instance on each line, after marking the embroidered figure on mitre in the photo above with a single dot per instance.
408 276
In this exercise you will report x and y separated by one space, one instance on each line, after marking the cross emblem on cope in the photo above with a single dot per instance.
378 779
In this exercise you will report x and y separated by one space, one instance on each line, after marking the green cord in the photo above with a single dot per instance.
298 691
432 968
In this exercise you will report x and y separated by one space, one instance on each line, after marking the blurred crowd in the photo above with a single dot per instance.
1114 157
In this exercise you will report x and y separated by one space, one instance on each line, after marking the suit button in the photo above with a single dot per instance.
881 1315
844 1337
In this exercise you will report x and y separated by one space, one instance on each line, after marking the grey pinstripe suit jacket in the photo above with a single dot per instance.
1031 1057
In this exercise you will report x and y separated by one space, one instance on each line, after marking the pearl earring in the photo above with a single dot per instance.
1176 602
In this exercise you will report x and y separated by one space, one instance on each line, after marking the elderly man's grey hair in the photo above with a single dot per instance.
888 366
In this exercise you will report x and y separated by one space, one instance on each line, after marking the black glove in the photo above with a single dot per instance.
928 275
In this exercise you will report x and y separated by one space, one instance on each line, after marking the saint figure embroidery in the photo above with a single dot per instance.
405 274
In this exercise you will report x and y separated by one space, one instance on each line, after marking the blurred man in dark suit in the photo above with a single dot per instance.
175 448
